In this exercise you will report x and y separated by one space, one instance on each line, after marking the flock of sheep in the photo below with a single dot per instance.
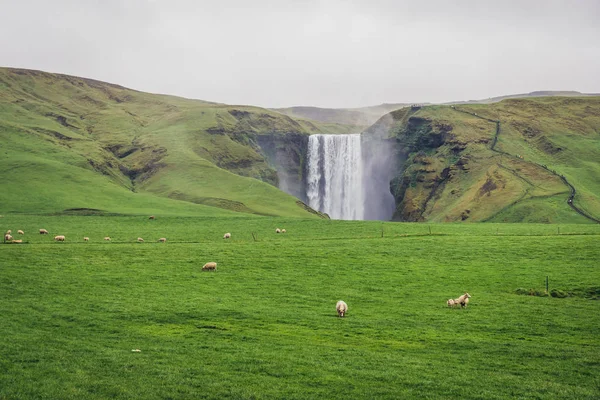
61 238
9 238
341 307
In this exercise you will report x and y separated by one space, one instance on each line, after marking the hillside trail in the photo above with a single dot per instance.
572 191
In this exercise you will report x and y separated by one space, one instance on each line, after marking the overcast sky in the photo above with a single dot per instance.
324 53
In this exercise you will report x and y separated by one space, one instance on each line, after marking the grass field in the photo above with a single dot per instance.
264 325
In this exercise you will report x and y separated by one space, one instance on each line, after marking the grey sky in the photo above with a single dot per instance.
322 53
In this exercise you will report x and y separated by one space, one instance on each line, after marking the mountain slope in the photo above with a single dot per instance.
367 116
451 173
361 117
80 143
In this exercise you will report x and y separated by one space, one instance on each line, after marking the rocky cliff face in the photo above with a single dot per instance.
446 169
427 154
286 153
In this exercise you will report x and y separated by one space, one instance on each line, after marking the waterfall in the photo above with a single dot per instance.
334 183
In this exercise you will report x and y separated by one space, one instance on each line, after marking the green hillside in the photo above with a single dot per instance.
451 172
74 143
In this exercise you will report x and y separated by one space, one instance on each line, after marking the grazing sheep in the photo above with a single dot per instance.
463 300
8 237
60 238
86 239
20 232
277 230
210 266
451 303
341 308
162 240
227 236
17 241
151 217
8 232
283 231
43 232
140 240
107 238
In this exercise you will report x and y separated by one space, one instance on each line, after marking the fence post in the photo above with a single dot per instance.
430 229
254 237
546 284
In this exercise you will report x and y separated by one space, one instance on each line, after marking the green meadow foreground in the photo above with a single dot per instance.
264 324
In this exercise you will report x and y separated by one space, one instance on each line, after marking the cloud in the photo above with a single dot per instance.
324 53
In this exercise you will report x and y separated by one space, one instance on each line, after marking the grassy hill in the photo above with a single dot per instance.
367 116
72 143
538 93
451 173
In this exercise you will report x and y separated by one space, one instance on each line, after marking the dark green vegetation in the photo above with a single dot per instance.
264 325
451 172
70 142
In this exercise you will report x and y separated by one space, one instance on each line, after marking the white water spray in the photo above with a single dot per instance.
335 176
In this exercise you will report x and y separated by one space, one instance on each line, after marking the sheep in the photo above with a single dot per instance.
8 232
20 232
140 239
341 308
151 217
17 241
86 239
8 237
43 232
451 303
210 266
277 230
60 238
162 240
463 300
107 238
227 236
283 231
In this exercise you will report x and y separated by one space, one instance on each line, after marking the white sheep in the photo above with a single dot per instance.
227 236
20 232
107 238
341 308
210 266
451 303
43 232
8 237
151 217
277 230
86 239
140 240
463 300
283 231
17 241
162 240
8 232
60 238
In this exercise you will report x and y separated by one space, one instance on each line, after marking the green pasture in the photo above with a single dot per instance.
264 324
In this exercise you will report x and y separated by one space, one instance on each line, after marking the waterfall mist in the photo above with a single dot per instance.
348 177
